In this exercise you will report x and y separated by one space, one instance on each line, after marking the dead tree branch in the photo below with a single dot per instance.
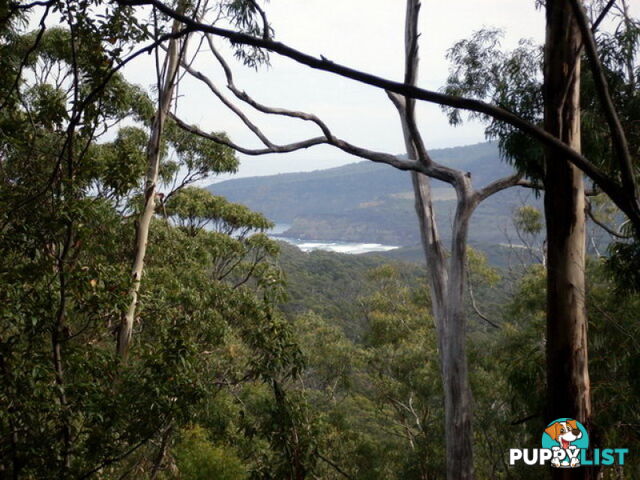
619 194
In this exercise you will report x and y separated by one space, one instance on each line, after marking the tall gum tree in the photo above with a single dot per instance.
446 276
621 194
167 86
482 70
446 281
568 383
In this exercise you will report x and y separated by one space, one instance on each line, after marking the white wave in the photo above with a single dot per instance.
338 247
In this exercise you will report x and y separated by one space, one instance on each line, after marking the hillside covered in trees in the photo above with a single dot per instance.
366 202
154 329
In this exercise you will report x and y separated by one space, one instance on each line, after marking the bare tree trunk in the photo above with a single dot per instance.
171 65
457 393
447 297
446 284
431 244
567 361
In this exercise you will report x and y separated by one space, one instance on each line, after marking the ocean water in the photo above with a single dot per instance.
338 247
329 246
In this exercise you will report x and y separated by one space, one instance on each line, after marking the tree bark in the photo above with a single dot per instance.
567 360
447 285
446 282
171 65
457 391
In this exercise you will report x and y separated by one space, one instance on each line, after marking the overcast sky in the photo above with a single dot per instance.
364 34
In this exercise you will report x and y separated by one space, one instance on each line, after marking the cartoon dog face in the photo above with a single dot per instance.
564 432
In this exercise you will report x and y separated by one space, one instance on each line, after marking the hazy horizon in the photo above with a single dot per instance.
366 35
247 172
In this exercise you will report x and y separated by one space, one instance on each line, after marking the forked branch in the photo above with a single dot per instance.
624 199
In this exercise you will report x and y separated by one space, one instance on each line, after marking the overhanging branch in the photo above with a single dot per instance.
223 140
625 200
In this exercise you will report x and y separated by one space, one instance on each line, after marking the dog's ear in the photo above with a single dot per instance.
573 424
553 430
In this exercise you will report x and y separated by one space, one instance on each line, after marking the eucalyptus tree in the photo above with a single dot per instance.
167 79
447 276
70 195
515 80
623 193
569 390
46 216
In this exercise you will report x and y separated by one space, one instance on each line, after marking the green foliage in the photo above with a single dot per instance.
198 459
512 80
207 320
377 399
619 53
528 220
354 383
624 263
615 352
119 165
332 285
197 155
519 371
479 269
195 208
247 17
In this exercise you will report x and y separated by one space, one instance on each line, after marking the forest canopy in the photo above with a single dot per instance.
154 329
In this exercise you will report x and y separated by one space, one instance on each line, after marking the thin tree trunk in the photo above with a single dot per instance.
446 285
567 361
447 297
431 245
457 393
171 65
431 242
